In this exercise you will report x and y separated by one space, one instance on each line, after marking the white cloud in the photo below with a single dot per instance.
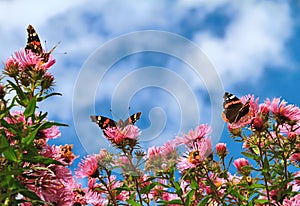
254 39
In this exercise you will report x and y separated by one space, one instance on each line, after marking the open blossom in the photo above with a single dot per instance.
88 167
281 109
119 136
195 155
24 59
293 201
199 132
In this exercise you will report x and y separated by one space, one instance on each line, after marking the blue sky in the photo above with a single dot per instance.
246 46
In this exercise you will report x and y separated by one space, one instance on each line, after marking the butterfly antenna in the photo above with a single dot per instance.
54 47
113 114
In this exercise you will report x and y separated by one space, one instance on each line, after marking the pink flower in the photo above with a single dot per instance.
295 158
257 124
195 155
119 136
293 201
221 149
282 110
169 150
199 132
50 133
240 163
169 196
88 167
95 198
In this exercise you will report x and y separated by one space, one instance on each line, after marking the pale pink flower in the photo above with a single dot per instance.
96 199
119 135
88 167
195 155
169 151
199 132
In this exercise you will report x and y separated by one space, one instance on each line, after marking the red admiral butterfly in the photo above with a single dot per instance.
105 122
234 109
34 44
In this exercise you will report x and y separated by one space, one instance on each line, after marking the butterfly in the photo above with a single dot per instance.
105 122
234 109
34 44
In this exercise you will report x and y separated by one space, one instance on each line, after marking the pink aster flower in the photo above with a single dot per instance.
169 150
281 109
50 133
195 155
199 132
169 196
295 158
293 201
28 58
88 167
240 163
119 136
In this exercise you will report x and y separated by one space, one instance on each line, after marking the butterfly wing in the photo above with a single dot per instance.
132 119
234 109
103 122
33 41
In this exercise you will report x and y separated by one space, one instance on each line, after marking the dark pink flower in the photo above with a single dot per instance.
257 124
88 167
240 163
295 158
199 132
221 149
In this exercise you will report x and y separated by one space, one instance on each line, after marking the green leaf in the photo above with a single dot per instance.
133 202
39 99
30 109
39 159
261 201
7 150
204 201
22 96
29 194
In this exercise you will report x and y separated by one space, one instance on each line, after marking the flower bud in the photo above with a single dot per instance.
47 81
221 150
257 124
240 163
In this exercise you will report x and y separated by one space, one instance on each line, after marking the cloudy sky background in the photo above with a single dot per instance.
252 46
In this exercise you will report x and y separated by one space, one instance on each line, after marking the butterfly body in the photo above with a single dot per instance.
105 122
34 44
234 109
